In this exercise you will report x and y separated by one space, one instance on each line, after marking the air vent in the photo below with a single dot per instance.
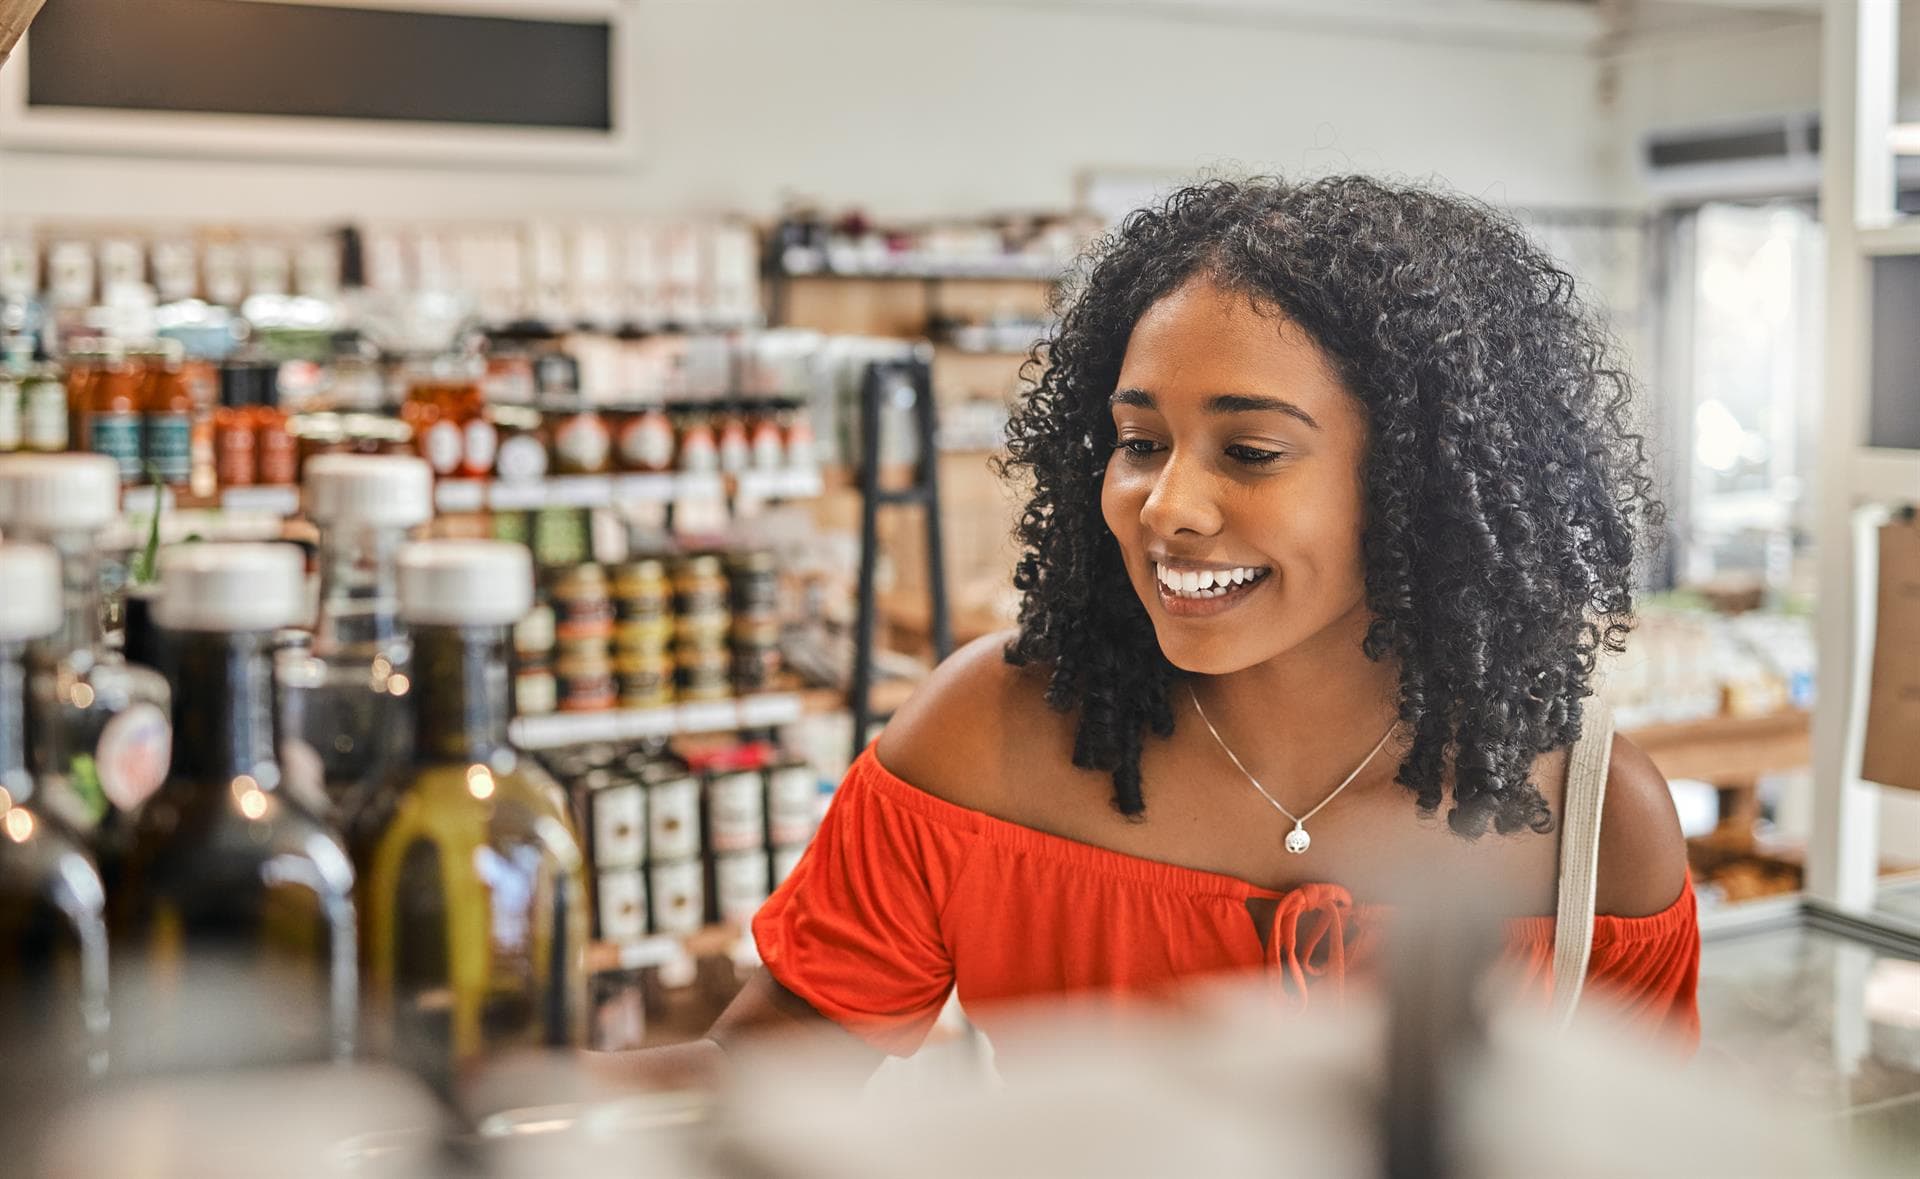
1780 154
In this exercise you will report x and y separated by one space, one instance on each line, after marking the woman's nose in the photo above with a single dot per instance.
1181 501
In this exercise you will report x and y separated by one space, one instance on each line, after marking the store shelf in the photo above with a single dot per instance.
603 491
887 697
764 711
662 948
1724 749
276 500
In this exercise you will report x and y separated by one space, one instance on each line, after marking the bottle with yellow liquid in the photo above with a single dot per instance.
472 888
234 939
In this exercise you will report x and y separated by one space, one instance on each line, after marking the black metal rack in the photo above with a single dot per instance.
882 382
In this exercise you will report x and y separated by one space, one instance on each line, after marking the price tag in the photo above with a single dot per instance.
518 496
580 491
274 501
709 716
460 495
770 709
648 722
651 488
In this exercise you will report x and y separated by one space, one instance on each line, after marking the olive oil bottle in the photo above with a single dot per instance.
234 924
472 893
344 702
53 932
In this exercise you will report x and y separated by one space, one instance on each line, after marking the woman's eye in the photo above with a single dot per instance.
1253 455
1138 448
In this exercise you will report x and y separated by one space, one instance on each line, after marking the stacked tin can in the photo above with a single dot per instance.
583 631
673 847
756 621
643 634
703 616
645 846
535 692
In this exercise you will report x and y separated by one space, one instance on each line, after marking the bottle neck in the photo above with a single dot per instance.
13 722
359 589
464 696
223 707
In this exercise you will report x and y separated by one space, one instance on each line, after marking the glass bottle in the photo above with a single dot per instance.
44 419
233 915
113 412
343 703
235 461
98 725
472 891
53 932
166 401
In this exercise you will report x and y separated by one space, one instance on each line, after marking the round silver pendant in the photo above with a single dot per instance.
1298 840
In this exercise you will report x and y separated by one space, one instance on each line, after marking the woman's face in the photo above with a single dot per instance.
1235 489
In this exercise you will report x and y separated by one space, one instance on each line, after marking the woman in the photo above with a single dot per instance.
1332 504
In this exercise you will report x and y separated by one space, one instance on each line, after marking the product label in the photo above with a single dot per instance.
441 447
521 459
619 826
679 897
735 453
697 453
673 819
646 444
482 442
734 816
623 905
132 756
117 435
44 427
791 792
169 444
582 443
739 886
769 452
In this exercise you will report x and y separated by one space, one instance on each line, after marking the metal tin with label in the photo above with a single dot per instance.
739 886
736 813
673 818
619 809
791 794
621 898
677 889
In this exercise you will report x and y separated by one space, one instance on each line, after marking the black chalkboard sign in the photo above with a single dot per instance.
238 57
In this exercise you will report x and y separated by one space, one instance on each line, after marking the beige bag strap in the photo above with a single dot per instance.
1580 856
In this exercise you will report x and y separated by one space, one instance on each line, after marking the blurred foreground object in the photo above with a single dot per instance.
15 16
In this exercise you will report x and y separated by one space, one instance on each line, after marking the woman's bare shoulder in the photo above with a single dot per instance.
978 730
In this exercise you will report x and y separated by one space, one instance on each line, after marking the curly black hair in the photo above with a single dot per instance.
1506 487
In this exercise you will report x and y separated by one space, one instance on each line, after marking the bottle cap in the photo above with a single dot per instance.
231 587
381 490
465 583
56 492
29 592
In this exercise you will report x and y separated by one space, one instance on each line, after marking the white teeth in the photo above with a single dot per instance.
1204 583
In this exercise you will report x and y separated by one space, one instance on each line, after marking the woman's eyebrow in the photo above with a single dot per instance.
1223 403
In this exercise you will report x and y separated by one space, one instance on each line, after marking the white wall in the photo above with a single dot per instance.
910 107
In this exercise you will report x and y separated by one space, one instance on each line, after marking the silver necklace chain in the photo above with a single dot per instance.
1297 839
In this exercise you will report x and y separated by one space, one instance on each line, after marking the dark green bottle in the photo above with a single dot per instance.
234 923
